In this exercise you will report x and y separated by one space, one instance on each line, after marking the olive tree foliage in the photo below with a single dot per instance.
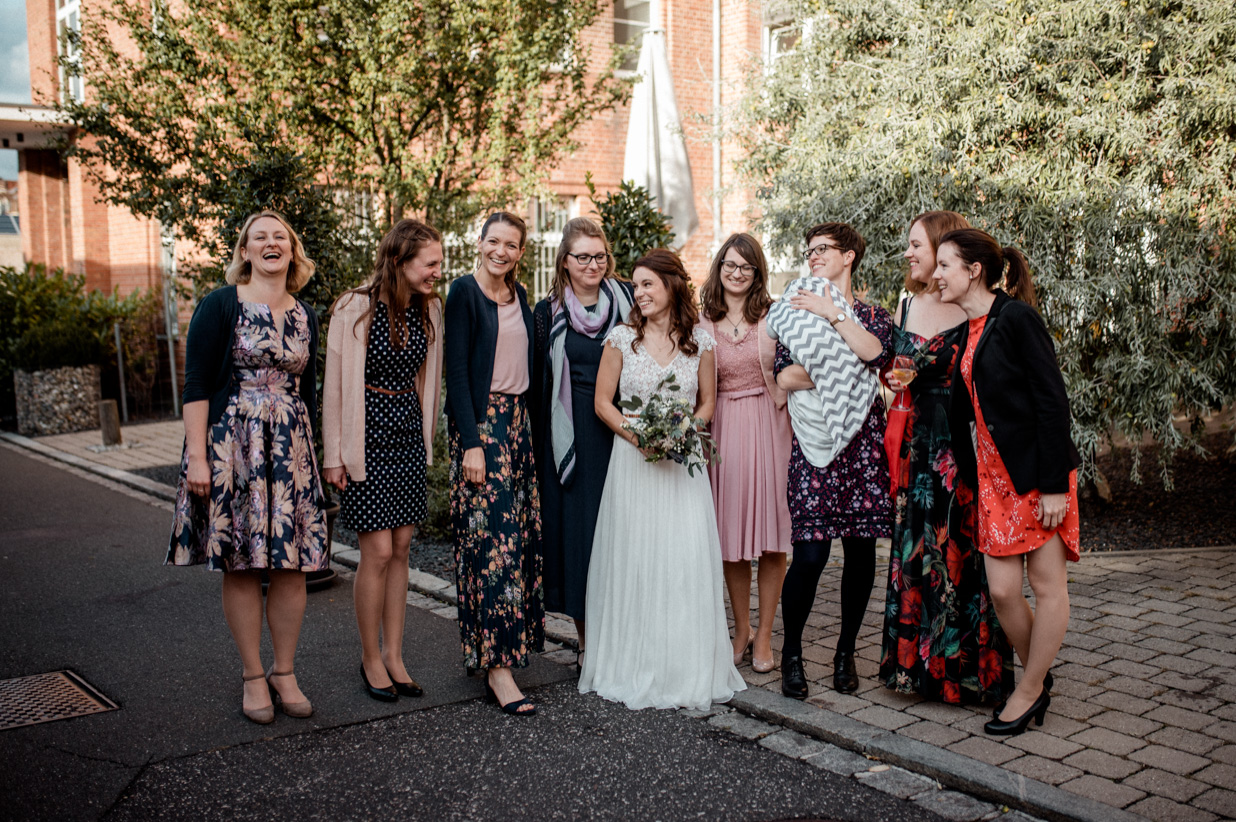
430 107
1099 136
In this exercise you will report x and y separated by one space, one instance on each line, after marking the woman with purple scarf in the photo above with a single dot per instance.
572 445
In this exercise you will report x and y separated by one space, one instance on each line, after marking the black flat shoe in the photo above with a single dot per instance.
409 688
388 694
845 676
1048 681
793 677
1013 727
511 708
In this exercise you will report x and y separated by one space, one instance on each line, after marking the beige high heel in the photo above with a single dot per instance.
260 716
299 710
738 657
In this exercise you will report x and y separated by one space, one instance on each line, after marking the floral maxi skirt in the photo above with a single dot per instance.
497 535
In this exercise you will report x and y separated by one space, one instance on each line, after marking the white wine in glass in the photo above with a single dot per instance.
903 370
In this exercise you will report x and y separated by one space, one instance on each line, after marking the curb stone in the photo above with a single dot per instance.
952 770
148 486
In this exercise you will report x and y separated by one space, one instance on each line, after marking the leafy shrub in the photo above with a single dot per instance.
63 342
632 223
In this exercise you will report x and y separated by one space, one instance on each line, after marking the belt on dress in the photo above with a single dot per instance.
389 391
745 392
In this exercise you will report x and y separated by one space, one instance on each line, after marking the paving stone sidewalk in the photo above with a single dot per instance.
1143 713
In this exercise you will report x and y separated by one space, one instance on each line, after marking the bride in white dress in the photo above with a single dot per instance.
655 632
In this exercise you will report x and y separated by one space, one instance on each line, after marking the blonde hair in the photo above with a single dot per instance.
572 231
300 269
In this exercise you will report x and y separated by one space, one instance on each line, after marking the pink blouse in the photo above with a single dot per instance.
511 358
738 362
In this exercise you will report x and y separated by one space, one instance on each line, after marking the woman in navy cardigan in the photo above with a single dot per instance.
1008 400
495 512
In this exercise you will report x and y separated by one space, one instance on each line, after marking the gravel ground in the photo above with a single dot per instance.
1198 512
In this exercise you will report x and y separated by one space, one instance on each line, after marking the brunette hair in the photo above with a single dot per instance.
757 301
401 244
976 246
572 231
239 271
845 236
511 220
936 224
683 314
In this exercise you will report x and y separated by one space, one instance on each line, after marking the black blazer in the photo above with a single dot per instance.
208 354
1021 392
470 340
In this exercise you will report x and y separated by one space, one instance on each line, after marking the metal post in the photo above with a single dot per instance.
124 402
171 322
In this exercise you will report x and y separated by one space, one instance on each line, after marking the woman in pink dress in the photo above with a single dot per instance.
752 431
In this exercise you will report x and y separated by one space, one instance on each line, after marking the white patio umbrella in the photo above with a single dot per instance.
656 153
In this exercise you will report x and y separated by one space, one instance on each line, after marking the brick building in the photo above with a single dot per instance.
710 44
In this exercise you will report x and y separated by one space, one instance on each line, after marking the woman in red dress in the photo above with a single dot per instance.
1008 398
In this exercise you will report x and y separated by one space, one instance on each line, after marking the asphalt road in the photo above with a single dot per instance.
82 587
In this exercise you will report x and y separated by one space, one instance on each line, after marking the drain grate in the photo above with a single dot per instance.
29 700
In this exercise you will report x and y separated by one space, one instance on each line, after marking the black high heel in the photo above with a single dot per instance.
1048 682
1013 727
511 708
410 688
380 694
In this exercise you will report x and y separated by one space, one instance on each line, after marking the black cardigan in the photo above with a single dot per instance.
208 354
1021 392
470 340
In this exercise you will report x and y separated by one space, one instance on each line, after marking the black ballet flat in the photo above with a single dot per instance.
793 677
1048 682
381 694
1013 727
845 675
511 708
409 688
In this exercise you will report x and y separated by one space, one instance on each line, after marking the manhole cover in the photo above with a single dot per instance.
29 700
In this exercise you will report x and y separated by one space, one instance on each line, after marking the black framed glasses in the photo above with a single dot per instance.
816 250
729 267
588 259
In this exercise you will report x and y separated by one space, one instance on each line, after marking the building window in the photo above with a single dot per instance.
780 39
631 20
68 28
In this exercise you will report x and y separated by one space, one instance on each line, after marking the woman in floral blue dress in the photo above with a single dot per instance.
249 497
942 639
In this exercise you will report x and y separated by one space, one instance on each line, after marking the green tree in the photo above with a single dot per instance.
632 223
432 107
1097 135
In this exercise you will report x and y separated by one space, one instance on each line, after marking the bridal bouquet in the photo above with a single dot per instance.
668 428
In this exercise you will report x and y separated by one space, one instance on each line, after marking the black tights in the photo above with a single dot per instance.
798 590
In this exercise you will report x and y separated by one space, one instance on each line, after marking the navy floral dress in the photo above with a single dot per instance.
266 504
849 497
941 636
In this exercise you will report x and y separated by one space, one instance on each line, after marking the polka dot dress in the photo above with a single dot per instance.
393 493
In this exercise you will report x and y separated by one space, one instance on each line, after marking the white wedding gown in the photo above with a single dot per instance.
655 628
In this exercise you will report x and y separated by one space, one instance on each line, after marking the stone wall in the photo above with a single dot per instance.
57 401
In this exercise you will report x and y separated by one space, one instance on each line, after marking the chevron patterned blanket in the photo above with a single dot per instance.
827 419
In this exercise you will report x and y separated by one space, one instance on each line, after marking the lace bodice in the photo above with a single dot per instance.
738 362
641 374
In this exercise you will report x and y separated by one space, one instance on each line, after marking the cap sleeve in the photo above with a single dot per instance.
704 340
620 337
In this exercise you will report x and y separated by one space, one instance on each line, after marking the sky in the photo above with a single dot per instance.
14 70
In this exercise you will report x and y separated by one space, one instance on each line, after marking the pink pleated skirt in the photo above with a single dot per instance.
749 484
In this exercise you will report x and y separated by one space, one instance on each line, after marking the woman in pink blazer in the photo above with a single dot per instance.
752 431
379 409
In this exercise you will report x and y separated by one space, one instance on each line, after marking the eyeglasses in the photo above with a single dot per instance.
730 267
819 249
587 259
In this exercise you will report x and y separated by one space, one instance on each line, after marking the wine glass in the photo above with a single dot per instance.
904 371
